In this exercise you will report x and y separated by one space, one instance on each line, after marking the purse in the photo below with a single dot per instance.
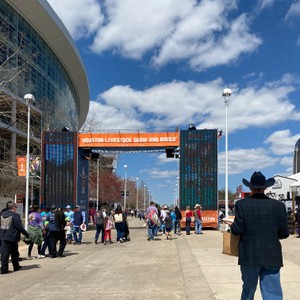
231 243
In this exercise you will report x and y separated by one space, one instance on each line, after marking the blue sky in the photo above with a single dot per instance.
154 65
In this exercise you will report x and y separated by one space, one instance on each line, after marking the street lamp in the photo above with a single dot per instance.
125 186
178 187
226 94
144 196
28 98
137 193
149 196
98 179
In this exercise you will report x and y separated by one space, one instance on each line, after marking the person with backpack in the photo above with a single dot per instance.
169 223
10 231
177 221
152 220
163 215
56 226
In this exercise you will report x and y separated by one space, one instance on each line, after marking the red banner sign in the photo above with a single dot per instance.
21 162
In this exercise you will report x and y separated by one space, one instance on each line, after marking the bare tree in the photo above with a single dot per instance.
92 124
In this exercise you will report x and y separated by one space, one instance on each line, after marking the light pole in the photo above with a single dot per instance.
226 94
177 203
175 195
137 193
125 185
149 197
144 196
97 197
27 97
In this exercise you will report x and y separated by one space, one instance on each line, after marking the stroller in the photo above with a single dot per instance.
126 231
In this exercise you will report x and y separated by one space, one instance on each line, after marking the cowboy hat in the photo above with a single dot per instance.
197 205
258 181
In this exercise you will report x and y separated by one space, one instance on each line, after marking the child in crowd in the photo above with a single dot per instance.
108 225
68 230
168 222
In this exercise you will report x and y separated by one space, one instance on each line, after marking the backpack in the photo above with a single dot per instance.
153 217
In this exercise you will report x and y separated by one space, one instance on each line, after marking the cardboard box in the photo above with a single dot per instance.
230 243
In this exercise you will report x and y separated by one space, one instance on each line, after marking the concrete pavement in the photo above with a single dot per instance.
188 267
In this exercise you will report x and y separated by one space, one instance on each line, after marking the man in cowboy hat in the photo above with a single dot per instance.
198 219
261 222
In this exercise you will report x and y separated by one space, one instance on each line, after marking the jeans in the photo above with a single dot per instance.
176 226
269 283
188 225
46 245
198 226
156 230
75 230
151 231
99 228
120 230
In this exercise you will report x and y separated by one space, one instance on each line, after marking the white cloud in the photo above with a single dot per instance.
242 160
135 26
294 10
162 159
159 173
199 33
282 142
170 105
82 18
287 161
205 50
262 4
112 118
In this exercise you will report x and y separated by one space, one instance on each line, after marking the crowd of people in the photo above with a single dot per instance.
166 220
53 228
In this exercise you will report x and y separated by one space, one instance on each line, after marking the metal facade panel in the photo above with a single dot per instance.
198 168
59 168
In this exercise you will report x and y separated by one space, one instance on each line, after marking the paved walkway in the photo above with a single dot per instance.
188 267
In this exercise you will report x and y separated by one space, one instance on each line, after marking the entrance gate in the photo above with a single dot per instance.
197 164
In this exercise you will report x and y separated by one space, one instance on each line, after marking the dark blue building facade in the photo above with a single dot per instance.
199 168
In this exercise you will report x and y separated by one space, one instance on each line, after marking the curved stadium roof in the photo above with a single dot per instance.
40 15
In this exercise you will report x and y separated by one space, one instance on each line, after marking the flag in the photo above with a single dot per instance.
21 161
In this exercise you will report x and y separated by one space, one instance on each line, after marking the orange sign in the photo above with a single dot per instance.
154 139
21 161
210 218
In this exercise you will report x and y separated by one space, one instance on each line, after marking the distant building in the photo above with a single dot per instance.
296 166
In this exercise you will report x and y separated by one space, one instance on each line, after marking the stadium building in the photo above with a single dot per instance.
38 57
